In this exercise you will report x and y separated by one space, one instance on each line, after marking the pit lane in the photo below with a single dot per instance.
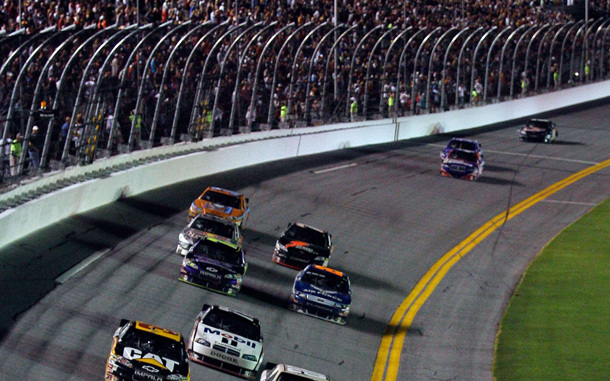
392 217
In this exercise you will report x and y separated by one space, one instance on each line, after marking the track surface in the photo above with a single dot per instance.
391 215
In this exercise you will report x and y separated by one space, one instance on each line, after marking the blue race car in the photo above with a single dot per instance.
462 164
214 264
463 144
323 293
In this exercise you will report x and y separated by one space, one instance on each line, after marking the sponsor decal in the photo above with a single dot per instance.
147 376
134 354
224 356
211 269
213 331
151 369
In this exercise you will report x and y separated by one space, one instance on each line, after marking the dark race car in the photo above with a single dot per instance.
216 265
462 165
539 130
142 351
323 293
301 245
227 340
463 144
206 225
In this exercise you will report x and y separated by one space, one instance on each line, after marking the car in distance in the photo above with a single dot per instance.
323 293
215 265
539 130
205 225
463 144
283 372
301 245
142 351
461 164
224 203
227 340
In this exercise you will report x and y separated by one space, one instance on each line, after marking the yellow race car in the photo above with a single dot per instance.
226 204
141 351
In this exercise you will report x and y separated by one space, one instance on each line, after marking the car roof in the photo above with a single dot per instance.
226 309
213 217
226 191
302 225
539 120
157 330
291 369
328 270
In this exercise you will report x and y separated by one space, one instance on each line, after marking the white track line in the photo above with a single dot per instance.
80 267
335 168
569 202
532 156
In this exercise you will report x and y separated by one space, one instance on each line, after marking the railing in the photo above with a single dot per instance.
78 96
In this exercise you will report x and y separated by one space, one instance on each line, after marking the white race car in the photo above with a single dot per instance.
282 372
227 340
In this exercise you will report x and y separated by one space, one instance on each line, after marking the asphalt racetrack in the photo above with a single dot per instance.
392 216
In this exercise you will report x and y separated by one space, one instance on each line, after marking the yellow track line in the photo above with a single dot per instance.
390 349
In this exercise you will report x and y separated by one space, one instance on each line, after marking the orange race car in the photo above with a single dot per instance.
223 203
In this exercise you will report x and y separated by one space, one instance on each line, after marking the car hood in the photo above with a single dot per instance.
533 129
218 209
333 296
314 250
216 266
467 164
152 365
228 339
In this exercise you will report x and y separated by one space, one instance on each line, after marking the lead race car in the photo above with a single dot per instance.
229 205
216 265
539 129
323 293
301 245
463 144
142 351
210 226
461 164
227 340
283 372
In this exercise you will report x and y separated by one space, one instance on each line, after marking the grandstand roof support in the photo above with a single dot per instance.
508 40
385 67
474 56
445 58
436 44
527 57
368 70
491 48
166 70
353 62
271 113
259 67
415 61
402 55
208 34
236 92
540 46
551 57
584 51
138 107
595 49
222 67
457 77
563 46
311 63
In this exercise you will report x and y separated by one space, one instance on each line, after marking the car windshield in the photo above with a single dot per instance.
298 233
218 251
463 144
230 322
212 226
326 281
150 343
538 123
292 377
463 155
222 199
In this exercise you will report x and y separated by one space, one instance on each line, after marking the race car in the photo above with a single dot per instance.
215 265
282 372
227 340
301 245
462 165
141 351
205 225
463 144
323 293
539 129
231 206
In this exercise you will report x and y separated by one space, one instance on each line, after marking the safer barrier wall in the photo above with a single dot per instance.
224 154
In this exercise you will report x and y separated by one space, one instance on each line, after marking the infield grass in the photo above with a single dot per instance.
557 324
